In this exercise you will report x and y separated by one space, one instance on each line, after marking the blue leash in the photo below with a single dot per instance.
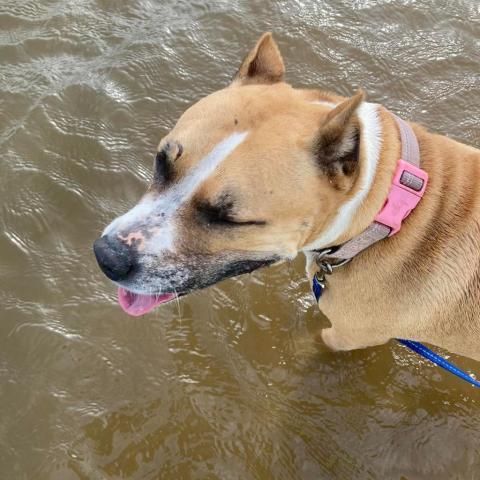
417 347
439 360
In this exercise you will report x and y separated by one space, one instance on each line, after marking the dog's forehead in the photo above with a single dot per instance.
245 101
237 108
273 116
276 124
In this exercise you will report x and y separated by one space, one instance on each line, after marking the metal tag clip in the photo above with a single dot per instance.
325 268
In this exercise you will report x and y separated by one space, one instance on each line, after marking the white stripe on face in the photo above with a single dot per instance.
162 209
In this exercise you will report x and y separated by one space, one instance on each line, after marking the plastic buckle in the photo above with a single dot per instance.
402 198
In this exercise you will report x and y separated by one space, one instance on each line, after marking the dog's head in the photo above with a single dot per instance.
249 175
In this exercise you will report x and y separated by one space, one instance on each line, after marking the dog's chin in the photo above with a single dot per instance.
137 304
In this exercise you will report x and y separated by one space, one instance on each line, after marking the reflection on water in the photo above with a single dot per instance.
228 383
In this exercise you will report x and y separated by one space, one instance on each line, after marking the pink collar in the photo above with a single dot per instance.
408 187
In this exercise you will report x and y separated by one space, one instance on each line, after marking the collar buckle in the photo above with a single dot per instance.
408 186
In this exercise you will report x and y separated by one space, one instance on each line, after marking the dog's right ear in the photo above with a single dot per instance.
264 64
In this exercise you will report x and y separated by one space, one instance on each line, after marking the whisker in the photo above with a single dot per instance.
177 301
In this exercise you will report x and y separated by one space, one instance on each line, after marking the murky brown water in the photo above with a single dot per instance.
225 384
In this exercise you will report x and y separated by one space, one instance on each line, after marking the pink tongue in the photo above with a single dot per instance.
136 304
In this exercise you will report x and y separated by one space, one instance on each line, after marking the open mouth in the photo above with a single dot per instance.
136 304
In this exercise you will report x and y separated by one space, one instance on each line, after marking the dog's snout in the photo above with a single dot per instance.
115 258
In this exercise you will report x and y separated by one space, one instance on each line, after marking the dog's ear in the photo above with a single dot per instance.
264 63
336 147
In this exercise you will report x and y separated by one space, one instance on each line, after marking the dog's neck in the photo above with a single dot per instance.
380 149
398 287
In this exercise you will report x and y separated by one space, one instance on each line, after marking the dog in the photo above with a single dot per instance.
260 171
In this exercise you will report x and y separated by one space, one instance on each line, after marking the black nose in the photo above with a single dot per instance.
116 259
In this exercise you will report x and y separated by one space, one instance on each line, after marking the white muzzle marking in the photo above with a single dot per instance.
162 210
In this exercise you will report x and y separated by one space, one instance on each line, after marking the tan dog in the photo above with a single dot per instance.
259 171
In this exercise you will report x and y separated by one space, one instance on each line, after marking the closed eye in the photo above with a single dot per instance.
233 222
221 214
